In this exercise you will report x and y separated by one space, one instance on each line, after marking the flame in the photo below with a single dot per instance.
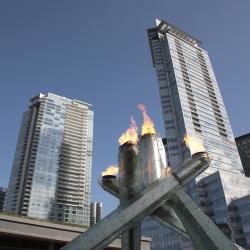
131 134
166 171
148 125
111 170
194 144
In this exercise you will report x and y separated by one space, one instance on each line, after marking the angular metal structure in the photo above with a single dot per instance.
141 205
203 232
164 214
145 188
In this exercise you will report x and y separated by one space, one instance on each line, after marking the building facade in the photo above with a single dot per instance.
162 237
3 192
192 105
240 219
243 144
190 98
51 172
95 212
218 194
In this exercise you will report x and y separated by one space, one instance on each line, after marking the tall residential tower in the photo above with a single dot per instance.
51 172
190 98
192 105
95 212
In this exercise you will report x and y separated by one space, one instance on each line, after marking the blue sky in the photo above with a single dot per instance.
97 52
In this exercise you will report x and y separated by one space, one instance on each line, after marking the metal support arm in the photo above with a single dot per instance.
164 214
202 230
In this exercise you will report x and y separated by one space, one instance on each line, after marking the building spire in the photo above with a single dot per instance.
157 22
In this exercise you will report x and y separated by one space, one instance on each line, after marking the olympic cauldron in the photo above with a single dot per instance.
146 186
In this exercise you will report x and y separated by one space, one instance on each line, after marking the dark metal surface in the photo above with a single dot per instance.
130 177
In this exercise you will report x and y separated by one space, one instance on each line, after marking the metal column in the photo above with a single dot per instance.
129 184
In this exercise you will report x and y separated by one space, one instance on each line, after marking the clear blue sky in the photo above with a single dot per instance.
97 51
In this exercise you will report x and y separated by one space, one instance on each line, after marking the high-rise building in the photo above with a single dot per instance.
3 192
95 212
192 105
243 144
190 98
51 173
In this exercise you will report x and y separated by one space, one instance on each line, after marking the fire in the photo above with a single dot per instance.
194 144
166 171
148 125
131 134
111 170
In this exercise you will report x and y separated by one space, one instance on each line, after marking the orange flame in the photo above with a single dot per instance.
111 170
131 134
148 125
194 144
166 171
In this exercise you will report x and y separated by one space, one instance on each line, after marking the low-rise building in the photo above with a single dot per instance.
22 233
240 219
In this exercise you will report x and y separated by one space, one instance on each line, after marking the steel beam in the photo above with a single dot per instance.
203 232
167 217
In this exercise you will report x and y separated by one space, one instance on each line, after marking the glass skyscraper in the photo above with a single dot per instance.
51 172
192 105
190 98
